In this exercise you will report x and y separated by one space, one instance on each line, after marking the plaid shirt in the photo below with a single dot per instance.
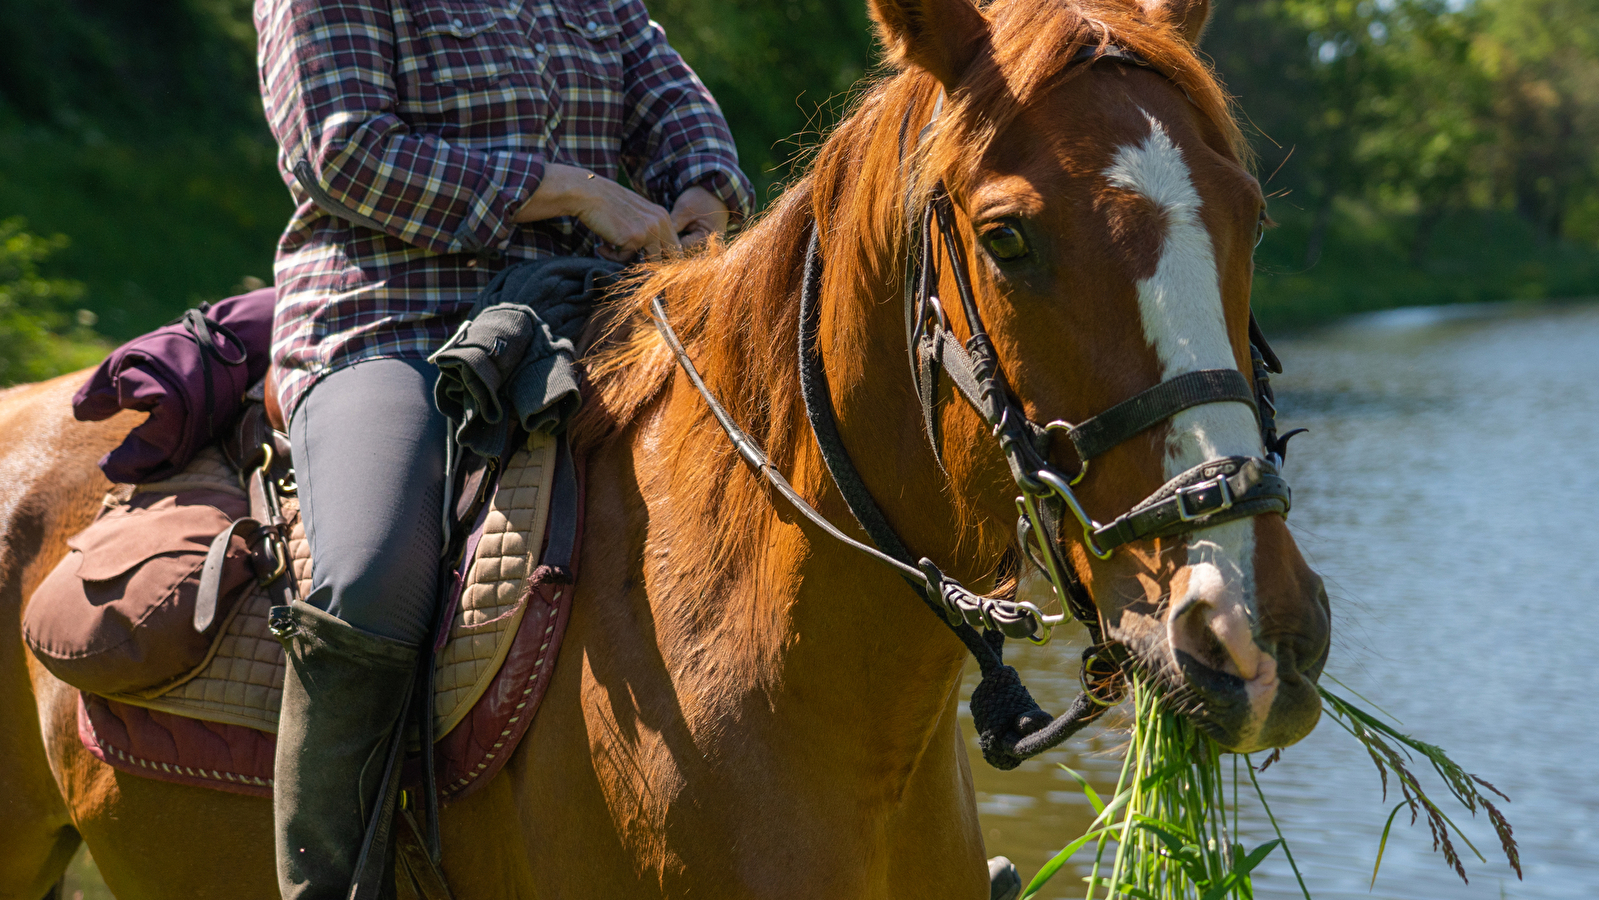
410 131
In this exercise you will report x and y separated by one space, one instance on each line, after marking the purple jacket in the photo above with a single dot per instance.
190 375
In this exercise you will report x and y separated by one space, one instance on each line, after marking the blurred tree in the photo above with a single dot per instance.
1381 125
1421 151
39 336
121 65
780 70
1357 99
1543 57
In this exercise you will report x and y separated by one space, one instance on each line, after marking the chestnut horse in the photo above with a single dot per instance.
745 707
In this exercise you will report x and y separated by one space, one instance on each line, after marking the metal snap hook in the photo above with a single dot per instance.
1062 489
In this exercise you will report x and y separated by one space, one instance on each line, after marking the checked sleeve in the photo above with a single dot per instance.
674 135
328 84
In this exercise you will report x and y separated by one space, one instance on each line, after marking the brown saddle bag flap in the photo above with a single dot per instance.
116 616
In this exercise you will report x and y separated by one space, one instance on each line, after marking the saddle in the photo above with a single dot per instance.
212 725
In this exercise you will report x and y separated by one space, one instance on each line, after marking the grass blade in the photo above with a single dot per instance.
1088 789
1382 845
1058 860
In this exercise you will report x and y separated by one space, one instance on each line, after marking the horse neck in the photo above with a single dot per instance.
767 611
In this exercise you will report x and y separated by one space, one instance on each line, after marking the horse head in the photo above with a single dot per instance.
1100 188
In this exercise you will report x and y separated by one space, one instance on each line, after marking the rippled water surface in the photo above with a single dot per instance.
1449 493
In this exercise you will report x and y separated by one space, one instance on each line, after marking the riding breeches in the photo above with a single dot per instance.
369 459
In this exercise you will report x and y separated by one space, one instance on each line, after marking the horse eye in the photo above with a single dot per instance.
1260 228
1005 243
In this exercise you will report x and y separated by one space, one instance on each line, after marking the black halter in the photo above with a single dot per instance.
1010 726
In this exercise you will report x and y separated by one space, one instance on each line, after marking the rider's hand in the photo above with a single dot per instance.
625 221
697 215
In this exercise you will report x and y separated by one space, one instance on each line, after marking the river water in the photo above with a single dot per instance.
1449 493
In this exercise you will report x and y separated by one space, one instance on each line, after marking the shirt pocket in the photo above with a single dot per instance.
589 40
465 43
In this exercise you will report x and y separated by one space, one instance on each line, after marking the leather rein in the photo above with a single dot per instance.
1010 725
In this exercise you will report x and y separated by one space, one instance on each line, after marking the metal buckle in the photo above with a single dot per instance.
1219 482
278 552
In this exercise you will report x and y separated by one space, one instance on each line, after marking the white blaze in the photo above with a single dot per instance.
1181 308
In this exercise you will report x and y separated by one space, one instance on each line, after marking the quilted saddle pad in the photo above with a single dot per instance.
213 726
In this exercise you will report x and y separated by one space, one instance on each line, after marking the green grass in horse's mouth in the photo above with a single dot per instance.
1166 833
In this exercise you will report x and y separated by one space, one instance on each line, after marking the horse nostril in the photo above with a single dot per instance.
1220 639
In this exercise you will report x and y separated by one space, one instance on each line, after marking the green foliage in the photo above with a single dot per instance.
136 129
127 68
39 337
782 71
1168 818
156 227
1418 151
1393 129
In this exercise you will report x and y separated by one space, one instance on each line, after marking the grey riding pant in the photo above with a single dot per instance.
369 459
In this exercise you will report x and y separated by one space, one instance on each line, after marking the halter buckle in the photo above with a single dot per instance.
1183 495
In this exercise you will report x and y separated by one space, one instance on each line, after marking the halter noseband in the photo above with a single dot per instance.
1011 727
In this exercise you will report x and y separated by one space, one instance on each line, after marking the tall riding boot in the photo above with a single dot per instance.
342 695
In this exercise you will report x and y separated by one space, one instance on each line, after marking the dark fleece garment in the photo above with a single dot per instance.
510 363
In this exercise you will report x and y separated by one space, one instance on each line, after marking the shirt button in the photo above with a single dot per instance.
594 26
456 23
539 48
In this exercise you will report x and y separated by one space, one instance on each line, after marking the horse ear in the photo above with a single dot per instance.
939 36
1189 17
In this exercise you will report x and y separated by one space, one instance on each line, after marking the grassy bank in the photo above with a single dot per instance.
1369 263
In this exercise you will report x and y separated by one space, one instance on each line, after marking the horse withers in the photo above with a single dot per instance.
743 707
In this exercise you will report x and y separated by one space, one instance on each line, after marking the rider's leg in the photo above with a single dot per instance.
369 460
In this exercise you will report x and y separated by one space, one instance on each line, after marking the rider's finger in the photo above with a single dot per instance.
615 254
663 238
683 219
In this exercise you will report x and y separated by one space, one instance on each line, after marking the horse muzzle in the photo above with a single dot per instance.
1248 690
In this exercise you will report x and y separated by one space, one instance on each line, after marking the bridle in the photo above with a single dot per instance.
1010 725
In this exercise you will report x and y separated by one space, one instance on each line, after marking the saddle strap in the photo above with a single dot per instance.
371 864
205 604
426 878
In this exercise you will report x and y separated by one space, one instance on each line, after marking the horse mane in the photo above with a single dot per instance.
735 304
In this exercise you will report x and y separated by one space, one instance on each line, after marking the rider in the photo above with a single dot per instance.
429 144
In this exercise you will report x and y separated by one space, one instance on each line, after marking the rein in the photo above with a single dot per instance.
1010 725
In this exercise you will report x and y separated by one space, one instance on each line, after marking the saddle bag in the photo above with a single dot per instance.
115 616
